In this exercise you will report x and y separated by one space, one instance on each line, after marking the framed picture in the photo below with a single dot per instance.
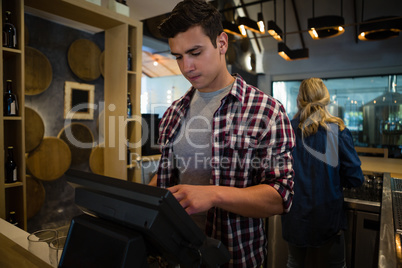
79 101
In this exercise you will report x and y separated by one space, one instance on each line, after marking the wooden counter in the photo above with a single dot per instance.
382 165
13 255
14 249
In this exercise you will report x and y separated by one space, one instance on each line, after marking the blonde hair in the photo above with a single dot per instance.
312 102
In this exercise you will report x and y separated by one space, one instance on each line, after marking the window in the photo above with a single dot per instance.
371 107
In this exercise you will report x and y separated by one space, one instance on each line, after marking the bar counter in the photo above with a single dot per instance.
389 244
382 165
387 256
13 241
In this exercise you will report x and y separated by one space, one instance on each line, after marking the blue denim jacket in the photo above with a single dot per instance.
324 163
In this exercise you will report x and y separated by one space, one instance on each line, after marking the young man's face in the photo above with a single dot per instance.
199 61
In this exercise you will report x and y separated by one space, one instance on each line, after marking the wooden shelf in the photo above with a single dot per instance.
83 12
132 166
13 195
120 31
11 50
12 118
14 184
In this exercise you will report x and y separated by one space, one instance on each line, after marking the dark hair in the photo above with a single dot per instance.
189 13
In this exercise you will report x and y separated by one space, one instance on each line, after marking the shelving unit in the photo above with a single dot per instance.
120 31
125 80
13 195
134 87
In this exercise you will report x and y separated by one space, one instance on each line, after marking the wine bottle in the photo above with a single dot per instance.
12 218
129 60
10 102
9 32
128 153
129 106
11 167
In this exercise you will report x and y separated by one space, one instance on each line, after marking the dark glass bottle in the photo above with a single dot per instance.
10 102
12 218
128 153
129 106
129 60
10 167
9 32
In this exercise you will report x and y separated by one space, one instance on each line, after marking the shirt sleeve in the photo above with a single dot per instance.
350 170
278 168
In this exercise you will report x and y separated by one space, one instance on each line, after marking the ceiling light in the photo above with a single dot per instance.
260 20
284 51
260 23
274 30
247 23
380 28
242 30
326 26
289 54
231 28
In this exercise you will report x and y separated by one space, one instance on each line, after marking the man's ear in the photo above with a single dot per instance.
222 42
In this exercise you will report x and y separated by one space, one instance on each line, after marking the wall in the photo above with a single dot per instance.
337 57
340 56
53 40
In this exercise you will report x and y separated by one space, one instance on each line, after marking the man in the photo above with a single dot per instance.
226 146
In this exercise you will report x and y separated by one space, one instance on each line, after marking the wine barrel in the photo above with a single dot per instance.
79 139
35 195
34 129
83 58
96 160
38 71
50 160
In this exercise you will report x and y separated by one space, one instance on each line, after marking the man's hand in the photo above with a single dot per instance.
194 198
259 201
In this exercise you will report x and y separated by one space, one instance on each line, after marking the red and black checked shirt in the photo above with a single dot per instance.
252 140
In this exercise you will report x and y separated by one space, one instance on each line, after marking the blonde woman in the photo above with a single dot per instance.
324 162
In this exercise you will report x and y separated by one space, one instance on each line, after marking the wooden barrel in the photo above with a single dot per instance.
96 160
83 59
35 195
79 139
34 129
38 71
50 160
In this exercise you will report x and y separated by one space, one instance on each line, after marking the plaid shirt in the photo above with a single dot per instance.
252 140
